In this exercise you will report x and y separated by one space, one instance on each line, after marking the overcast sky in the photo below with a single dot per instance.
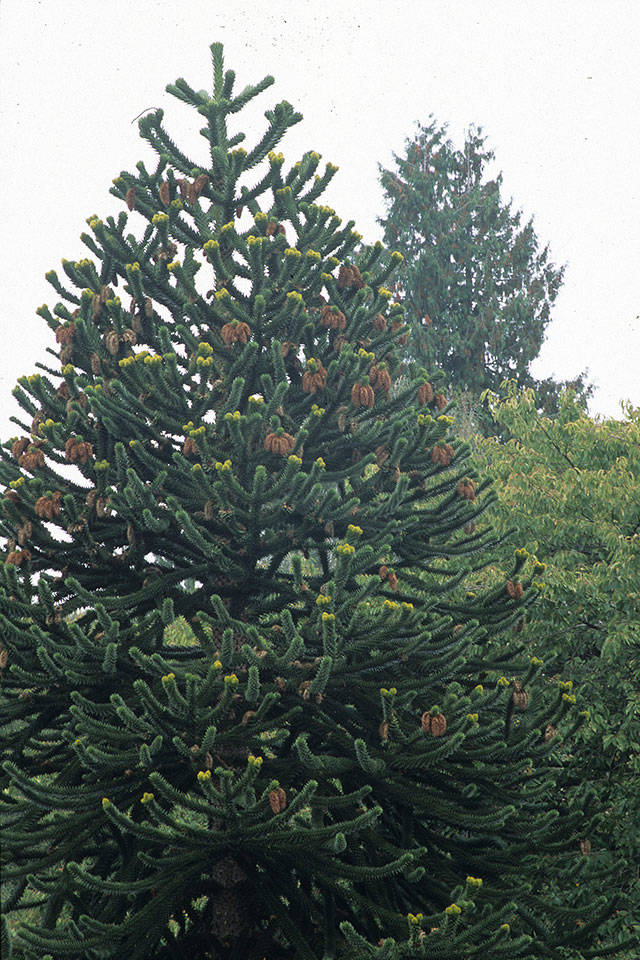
555 85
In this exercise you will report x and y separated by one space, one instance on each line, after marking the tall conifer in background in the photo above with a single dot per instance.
477 286
251 710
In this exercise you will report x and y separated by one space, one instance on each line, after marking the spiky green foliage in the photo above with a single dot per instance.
477 285
233 606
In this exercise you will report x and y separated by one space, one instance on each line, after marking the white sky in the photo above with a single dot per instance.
556 86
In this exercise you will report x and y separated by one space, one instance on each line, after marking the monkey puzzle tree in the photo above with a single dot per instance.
252 711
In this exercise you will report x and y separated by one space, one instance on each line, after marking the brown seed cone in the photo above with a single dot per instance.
332 317
96 365
379 322
356 279
549 732
112 342
235 332
442 453
96 308
287 443
277 800
17 557
24 533
441 401
585 847
392 580
19 447
190 447
63 391
425 394
350 277
362 395
75 451
165 194
425 721
514 590
131 198
466 489
314 380
70 454
438 725
200 183
521 699
4 658
64 333
383 730
102 509
344 277
129 336
34 457
380 379
383 572
283 444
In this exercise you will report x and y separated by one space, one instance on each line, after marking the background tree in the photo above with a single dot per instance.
569 488
254 711
477 287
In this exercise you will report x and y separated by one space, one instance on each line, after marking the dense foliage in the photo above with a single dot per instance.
252 709
570 488
477 287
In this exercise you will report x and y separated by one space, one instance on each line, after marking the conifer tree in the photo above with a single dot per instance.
251 710
478 288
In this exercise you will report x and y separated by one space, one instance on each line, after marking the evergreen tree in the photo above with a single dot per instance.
250 709
477 287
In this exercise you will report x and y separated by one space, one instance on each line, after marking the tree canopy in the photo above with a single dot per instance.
569 490
477 284
253 708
